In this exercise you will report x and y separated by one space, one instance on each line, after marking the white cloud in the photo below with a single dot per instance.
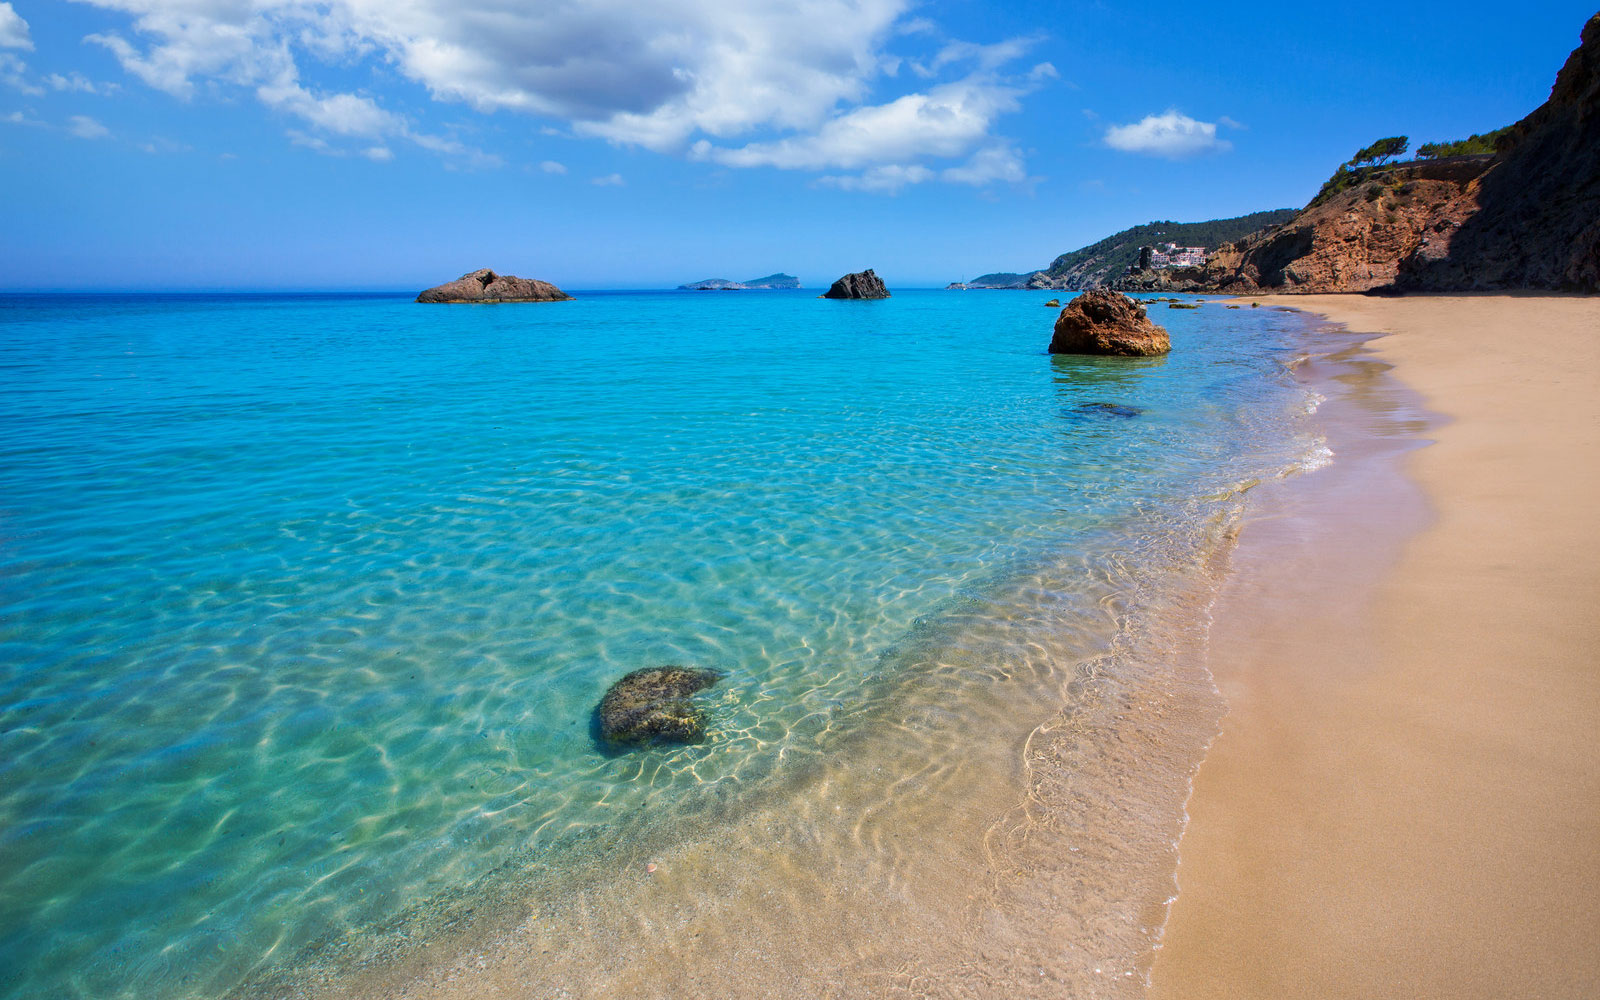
609 180
13 29
1170 134
85 127
788 78
650 74
997 163
945 122
14 74
886 179
73 83
552 167
1227 122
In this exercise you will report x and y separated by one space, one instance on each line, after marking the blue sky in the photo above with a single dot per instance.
393 144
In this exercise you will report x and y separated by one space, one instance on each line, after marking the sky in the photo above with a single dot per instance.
395 144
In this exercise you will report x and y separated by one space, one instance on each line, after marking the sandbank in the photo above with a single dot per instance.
1404 800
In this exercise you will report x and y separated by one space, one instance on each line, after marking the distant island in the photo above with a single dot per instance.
779 280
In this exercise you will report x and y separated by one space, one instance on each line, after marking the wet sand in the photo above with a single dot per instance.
1404 800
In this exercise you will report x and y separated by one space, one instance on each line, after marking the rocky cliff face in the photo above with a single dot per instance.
1526 217
486 286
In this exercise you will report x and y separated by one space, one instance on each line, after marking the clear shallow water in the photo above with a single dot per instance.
304 602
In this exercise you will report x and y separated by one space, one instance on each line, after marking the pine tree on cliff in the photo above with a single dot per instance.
1382 150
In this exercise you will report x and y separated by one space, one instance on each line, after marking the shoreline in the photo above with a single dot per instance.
1403 797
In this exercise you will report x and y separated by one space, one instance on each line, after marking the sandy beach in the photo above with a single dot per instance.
1404 798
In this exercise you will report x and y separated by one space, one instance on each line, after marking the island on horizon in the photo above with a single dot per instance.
771 281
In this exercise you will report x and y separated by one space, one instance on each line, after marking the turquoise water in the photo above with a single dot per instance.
305 601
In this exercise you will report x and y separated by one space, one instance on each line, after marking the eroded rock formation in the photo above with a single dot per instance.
1106 322
860 285
485 286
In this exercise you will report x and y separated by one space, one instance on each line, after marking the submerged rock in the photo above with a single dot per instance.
860 285
1108 410
1106 322
484 285
652 705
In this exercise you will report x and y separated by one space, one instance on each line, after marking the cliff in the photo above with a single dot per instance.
1527 216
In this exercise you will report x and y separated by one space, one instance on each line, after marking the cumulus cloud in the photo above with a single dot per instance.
85 127
946 121
791 80
13 29
609 180
646 74
1171 134
552 167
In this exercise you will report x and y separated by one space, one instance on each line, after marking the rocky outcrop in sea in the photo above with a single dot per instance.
1101 321
860 285
486 286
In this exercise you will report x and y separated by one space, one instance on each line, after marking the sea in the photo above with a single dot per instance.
307 601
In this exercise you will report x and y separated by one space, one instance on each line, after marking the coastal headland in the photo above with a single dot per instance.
1404 796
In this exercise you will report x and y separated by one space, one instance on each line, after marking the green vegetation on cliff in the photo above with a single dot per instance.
1369 163
1108 259
1472 145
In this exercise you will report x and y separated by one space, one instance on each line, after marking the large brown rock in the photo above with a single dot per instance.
486 286
861 285
1106 322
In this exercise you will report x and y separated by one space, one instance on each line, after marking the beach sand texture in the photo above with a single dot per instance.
1405 797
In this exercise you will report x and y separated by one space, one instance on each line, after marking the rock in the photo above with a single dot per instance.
652 705
486 286
861 285
1106 322
1183 305
1053 304
1108 410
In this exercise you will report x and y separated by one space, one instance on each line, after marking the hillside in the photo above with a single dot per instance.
1527 216
1103 262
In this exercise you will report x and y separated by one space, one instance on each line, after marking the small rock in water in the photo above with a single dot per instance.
1109 410
652 706
650 868
1052 303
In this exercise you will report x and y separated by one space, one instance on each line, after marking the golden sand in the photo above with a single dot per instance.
1405 797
